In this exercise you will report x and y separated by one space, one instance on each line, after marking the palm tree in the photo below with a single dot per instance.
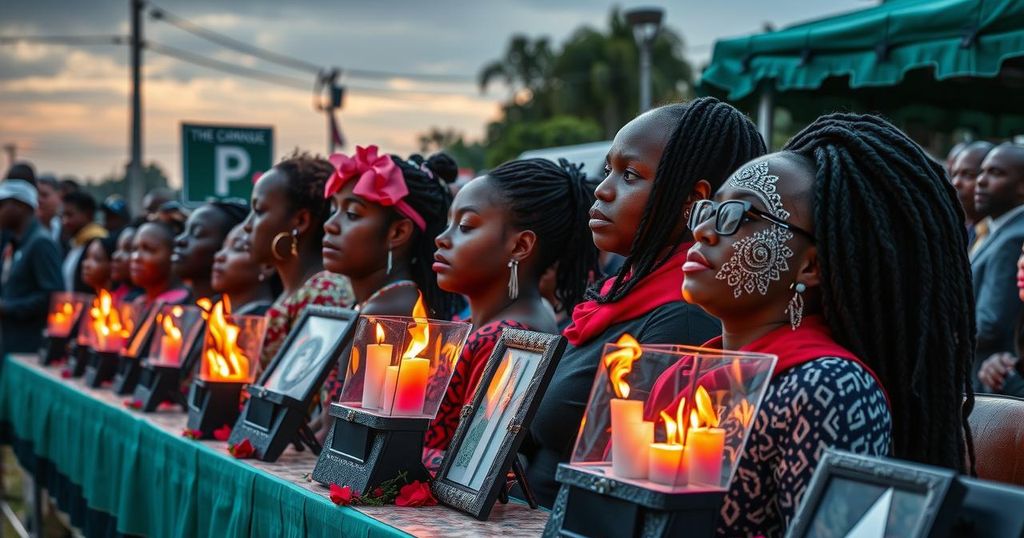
525 65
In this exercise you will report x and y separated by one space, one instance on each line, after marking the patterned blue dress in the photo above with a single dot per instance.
827 402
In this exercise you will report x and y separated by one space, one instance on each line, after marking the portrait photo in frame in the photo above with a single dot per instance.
484 448
275 414
855 495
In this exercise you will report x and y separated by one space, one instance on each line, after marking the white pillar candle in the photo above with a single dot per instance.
704 449
378 358
631 439
387 396
411 390
667 464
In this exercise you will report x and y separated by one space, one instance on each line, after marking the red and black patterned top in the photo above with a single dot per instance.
468 370
322 289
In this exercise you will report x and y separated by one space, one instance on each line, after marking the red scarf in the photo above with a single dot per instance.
662 286
811 340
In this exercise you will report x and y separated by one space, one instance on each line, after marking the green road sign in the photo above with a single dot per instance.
220 160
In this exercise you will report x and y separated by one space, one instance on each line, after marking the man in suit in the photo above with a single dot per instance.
30 269
964 174
999 193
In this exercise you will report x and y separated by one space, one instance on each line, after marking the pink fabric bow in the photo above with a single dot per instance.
378 179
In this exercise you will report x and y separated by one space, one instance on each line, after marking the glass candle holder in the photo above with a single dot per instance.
177 329
231 346
401 366
671 419
65 309
111 323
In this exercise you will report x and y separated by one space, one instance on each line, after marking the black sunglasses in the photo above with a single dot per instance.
730 214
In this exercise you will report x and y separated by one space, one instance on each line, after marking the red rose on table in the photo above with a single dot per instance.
222 433
415 493
343 496
242 450
65 374
133 404
191 434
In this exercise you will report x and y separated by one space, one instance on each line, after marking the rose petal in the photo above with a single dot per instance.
222 433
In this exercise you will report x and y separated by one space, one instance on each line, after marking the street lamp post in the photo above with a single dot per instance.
646 22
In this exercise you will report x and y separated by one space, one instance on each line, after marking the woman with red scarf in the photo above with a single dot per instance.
844 255
658 166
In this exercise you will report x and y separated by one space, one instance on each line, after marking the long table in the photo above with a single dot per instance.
139 469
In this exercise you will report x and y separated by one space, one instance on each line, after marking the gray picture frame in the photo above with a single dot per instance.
939 488
547 350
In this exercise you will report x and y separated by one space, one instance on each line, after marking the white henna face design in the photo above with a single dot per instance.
762 257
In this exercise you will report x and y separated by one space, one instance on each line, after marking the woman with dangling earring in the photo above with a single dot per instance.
505 230
284 229
381 231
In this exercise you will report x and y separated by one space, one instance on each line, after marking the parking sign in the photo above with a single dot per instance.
219 160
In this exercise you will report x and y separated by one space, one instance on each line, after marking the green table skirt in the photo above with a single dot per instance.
155 483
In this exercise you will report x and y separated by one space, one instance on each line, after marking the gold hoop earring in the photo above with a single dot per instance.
295 242
274 243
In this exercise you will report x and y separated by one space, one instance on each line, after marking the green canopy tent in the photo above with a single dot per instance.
933 66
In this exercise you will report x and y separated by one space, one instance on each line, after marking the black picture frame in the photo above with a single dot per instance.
845 484
271 419
477 497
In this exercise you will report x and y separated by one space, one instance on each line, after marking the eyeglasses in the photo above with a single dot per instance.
731 214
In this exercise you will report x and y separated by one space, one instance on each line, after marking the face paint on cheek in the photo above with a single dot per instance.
759 260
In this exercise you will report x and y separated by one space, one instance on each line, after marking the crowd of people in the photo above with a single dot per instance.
882 280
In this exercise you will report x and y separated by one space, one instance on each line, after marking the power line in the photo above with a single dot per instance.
161 14
66 39
240 70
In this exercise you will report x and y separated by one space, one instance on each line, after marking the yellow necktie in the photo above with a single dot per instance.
980 233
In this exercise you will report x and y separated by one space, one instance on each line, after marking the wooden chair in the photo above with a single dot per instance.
997 424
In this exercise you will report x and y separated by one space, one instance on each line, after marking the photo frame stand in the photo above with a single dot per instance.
272 421
54 349
102 368
78 359
518 478
362 449
592 504
127 375
158 384
212 405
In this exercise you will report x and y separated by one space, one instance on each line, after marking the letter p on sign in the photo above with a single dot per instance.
231 164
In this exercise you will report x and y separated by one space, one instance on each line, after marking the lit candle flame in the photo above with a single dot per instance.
675 429
419 332
226 361
705 409
619 363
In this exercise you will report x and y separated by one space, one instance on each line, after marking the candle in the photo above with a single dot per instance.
378 359
631 437
170 348
411 389
667 464
60 321
704 449
390 383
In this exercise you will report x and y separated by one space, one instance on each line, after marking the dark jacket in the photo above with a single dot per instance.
994 271
34 274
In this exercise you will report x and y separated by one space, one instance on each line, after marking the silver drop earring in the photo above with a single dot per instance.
513 279
389 261
796 305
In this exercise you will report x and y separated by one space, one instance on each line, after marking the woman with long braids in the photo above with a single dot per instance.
658 166
845 255
285 229
381 233
505 230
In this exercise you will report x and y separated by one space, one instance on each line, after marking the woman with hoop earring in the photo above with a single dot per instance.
285 229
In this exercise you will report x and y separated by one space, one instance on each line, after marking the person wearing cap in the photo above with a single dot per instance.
115 214
29 269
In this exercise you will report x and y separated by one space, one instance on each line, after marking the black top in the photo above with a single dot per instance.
25 294
554 429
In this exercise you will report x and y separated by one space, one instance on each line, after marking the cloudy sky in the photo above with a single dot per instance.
66 107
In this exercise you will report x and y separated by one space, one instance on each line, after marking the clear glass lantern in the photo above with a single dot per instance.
671 419
111 323
231 347
65 309
177 328
401 366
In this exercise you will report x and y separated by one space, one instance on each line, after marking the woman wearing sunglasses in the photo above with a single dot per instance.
843 255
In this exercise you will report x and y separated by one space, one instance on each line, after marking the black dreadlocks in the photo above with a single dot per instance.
905 304
710 140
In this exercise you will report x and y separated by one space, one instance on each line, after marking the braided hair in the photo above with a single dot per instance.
554 201
905 307
307 175
427 181
710 140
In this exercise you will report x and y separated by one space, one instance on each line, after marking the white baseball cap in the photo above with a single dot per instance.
20 190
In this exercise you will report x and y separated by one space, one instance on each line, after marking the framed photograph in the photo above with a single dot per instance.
305 357
854 495
139 341
483 449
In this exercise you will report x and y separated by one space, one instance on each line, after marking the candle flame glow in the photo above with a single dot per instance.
107 320
675 429
225 360
619 363
419 332
705 409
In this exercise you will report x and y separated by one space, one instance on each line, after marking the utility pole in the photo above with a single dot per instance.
12 153
134 175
